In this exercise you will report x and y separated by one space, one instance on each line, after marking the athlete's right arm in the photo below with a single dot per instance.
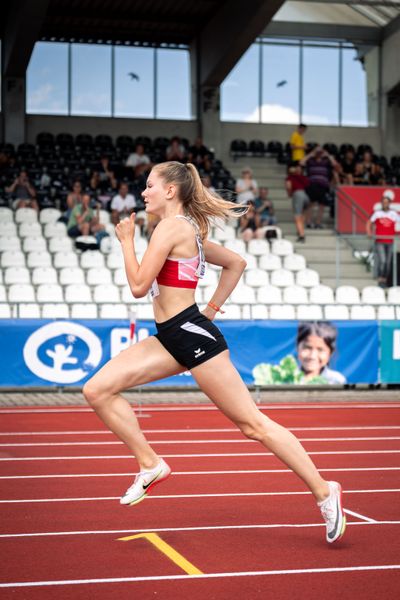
232 265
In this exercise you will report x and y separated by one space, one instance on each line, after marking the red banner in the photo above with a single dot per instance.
355 204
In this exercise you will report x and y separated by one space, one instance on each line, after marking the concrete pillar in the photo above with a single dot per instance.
13 103
210 118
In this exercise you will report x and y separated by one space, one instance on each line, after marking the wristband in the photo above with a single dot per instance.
215 307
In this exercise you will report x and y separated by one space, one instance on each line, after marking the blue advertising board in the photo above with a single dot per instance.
67 353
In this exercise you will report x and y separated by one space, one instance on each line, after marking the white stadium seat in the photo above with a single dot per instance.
38 259
120 277
65 259
49 215
281 247
97 276
128 298
5 311
364 311
55 311
56 229
9 243
270 262
49 292
386 313
12 258
60 244
76 292
294 262
393 295
83 311
210 278
106 293
115 260
282 278
236 245
232 311
21 292
8 228
25 215
282 311
104 216
250 260
269 294
30 229
259 311
34 244
307 278
145 311
243 294
29 311
309 312
224 234
6 215
295 294
44 275
258 247
347 294
113 311
336 312
92 258
3 294
71 275
321 294
256 277
141 244
16 275
373 294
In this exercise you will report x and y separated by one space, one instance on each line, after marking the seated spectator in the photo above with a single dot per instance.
198 153
106 176
84 220
383 222
74 197
297 143
367 172
246 187
320 170
123 204
23 192
347 168
206 180
139 161
250 225
296 187
176 150
265 208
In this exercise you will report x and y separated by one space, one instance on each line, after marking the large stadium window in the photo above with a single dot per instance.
91 80
240 98
134 82
173 84
280 84
354 90
47 79
320 90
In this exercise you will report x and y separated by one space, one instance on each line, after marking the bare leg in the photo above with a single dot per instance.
299 220
143 362
221 382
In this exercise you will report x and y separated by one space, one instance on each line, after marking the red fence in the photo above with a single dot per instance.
355 204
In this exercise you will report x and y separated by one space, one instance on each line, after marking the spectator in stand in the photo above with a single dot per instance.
176 150
198 153
320 169
250 224
297 143
367 172
206 180
296 187
123 204
106 176
383 221
84 220
139 161
347 167
74 197
246 187
265 208
23 192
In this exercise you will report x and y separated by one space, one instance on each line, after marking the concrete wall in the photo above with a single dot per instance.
390 78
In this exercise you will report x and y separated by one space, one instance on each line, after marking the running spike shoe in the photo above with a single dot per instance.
332 512
144 482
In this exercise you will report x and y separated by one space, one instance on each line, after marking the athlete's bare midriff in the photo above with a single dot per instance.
171 301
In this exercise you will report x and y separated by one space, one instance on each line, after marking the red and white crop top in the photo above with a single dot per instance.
181 272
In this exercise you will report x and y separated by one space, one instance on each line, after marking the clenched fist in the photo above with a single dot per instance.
125 230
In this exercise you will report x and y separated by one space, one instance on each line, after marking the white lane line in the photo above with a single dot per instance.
358 516
184 529
186 496
202 576
201 408
189 431
221 454
196 473
177 442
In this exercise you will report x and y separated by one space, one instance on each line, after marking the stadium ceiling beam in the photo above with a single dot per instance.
350 33
22 29
229 34
371 3
391 27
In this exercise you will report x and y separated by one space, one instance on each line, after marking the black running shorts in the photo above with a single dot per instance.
190 337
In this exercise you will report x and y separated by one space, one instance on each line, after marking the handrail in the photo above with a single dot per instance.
357 212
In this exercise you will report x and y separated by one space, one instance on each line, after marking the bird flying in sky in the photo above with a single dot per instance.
134 76
281 83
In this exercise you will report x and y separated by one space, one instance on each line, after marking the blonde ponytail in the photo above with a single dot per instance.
199 203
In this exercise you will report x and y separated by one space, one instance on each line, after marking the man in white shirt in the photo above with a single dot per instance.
122 204
139 161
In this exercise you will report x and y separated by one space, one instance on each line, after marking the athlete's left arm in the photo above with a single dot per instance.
141 276
232 265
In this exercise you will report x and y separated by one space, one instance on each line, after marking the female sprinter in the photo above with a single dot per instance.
187 338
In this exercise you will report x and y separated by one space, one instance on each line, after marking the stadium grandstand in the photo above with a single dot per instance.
110 109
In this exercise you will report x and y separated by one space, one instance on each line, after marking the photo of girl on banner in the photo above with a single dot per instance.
315 345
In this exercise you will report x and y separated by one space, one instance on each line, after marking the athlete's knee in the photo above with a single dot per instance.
254 429
93 393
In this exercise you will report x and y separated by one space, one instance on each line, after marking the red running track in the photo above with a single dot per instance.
230 509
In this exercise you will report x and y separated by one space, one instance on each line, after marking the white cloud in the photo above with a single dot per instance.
275 113
40 98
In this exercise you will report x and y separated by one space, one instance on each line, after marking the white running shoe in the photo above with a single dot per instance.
144 482
332 512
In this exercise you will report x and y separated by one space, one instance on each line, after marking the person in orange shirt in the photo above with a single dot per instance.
297 142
